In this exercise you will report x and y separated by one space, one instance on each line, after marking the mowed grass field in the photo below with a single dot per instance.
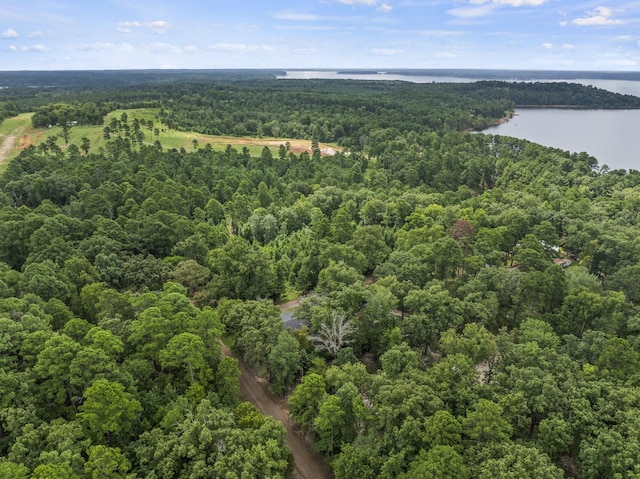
20 128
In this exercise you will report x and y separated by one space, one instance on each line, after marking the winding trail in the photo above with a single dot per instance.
306 462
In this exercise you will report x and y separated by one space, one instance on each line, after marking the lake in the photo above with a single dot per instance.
611 136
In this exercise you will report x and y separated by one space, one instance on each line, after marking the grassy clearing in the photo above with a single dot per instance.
13 130
20 127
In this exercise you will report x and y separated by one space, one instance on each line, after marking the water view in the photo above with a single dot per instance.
611 136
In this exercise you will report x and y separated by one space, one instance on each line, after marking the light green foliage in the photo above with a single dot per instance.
54 471
518 461
206 442
227 380
258 325
439 462
358 460
108 410
475 342
442 429
435 310
53 367
13 470
336 276
398 359
284 362
240 270
304 403
485 422
186 351
106 462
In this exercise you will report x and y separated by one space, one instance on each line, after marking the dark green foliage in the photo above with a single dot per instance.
467 351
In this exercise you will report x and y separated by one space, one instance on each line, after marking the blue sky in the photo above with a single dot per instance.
508 34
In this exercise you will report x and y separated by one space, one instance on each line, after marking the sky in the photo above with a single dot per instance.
286 34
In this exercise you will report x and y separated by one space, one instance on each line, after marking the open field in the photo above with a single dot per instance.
16 134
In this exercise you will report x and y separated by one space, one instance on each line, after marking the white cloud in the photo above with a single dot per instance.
10 33
105 47
358 2
297 17
446 54
304 51
157 26
159 47
240 48
568 46
190 49
625 63
440 33
36 34
599 16
471 12
385 51
478 8
319 28
622 39
35 48
12 48
521 3
547 46
385 8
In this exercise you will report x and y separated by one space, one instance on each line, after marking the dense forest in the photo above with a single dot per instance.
470 302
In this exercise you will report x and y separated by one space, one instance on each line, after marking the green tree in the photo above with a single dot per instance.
186 351
304 403
106 463
518 461
485 422
442 429
54 471
284 362
53 368
108 411
227 380
439 462
85 145
336 276
13 470
239 270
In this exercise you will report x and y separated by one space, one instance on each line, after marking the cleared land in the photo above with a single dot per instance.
14 137
24 135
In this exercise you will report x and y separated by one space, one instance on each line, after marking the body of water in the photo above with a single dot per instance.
611 136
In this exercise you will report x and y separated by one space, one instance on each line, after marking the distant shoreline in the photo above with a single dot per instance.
479 74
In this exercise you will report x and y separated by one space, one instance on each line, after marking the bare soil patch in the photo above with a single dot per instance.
6 146
295 146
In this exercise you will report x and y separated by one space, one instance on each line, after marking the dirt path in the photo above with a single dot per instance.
6 147
289 305
307 463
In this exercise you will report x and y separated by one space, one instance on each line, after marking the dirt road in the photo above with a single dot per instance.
6 146
307 463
